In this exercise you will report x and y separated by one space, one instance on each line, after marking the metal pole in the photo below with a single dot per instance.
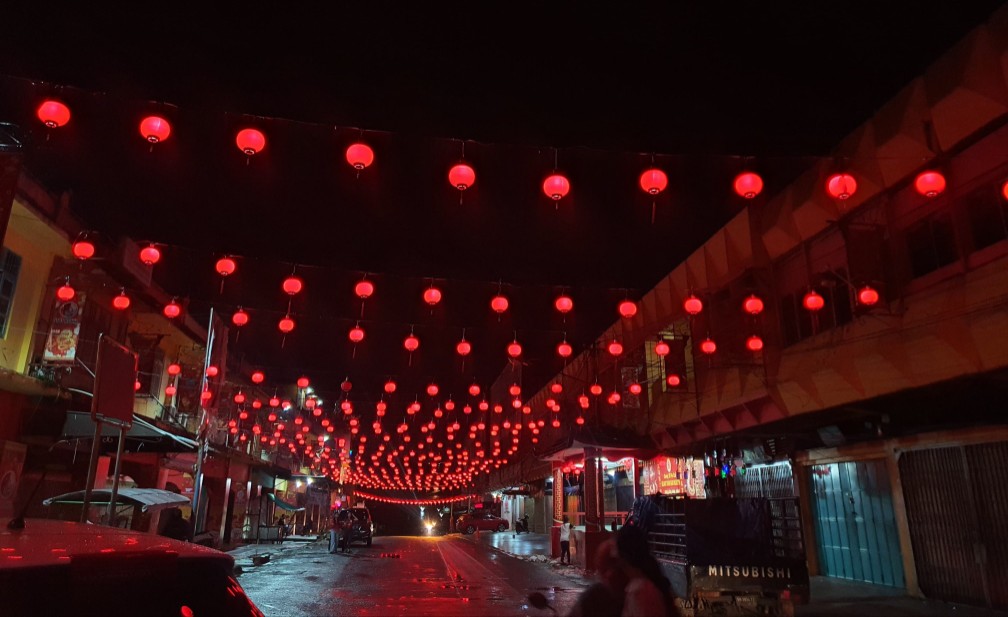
115 477
202 437
92 469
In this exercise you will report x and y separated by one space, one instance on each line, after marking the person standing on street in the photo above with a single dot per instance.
346 528
332 532
565 530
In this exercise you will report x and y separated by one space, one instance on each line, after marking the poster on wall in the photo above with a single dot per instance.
695 484
665 475
64 331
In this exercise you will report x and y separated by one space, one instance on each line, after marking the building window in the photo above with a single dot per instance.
931 243
10 267
988 216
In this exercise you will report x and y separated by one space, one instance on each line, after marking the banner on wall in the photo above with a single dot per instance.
669 475
64 330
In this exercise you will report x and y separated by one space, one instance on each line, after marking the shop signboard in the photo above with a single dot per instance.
664 475
64 330
669 475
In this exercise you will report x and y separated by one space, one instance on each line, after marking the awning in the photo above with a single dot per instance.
150 499
283 505
141 437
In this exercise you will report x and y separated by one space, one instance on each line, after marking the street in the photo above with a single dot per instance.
446 575
459 575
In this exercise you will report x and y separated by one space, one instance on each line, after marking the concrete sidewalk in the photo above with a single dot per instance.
835 597
520 545
243 555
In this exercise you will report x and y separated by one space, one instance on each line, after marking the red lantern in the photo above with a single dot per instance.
556 388
564 304
463 348
286 324
303 382
150 255
615 348
292 285
474 390
753 305
212 371
583 401
868 296
53 113
174 369
411 343
1004 189
274 402
364 289
206 395
580 420
813 301
635 389
841 186
172 310
356 334
390 386
250 141
564 350
627 308
929 183
693 305
121 302
65 293
82 249
170 390
155 129
514 389
359 156
239 399
258 377
556 187
708 346
754 343
653 181
514 349
461 176
595 389
748 184
240 317
499 304
662 349
432 295
225 266
673 380
432 390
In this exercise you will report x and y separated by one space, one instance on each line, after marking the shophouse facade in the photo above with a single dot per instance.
882 413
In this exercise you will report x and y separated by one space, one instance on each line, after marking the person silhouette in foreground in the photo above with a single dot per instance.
605 597
648 592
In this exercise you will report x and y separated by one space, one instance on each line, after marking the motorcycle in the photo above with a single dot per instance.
522 524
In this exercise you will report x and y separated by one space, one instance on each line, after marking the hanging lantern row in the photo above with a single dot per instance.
251 141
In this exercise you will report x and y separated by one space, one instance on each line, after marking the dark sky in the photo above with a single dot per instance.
703 89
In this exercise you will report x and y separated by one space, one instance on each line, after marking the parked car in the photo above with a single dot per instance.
483 521
362 528
53 567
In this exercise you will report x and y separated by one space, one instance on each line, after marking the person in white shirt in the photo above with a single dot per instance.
565 529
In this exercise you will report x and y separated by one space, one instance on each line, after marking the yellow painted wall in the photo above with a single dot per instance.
31 238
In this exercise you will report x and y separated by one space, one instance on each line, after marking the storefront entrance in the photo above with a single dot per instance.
957 506
854 522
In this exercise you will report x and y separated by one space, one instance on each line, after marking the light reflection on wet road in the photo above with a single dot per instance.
431 576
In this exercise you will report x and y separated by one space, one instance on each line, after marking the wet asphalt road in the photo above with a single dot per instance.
432 576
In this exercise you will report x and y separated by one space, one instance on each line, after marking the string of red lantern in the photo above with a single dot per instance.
156 128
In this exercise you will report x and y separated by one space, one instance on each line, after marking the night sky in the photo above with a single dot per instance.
701 90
